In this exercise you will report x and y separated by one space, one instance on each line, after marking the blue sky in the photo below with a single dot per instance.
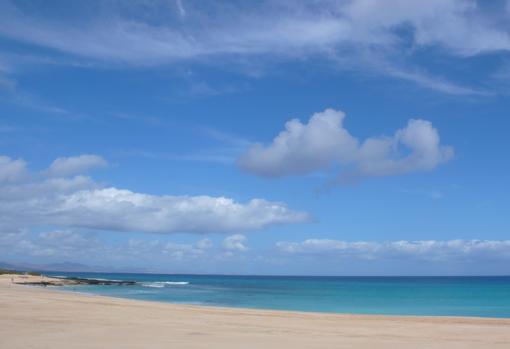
324 137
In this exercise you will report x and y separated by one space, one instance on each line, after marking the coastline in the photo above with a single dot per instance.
34 317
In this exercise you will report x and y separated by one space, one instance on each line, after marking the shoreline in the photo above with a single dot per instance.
213 306
35 317
40 281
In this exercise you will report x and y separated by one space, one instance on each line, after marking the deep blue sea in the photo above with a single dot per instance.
440 296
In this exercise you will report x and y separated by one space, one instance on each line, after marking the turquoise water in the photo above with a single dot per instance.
441 296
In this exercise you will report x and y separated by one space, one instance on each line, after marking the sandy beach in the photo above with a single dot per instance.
37 317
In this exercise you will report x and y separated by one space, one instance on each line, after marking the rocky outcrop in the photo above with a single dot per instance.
70 281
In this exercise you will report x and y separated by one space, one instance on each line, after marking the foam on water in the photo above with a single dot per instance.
161 284
152 284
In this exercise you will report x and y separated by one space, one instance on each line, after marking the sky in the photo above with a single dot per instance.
272 137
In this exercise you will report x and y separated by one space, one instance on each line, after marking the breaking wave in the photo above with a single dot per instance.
161 284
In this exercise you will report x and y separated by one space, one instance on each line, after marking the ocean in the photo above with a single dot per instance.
426 296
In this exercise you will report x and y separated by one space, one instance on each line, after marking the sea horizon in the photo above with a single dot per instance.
52 272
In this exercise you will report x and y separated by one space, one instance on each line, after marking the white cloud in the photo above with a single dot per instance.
432 250
78 201
235 243
89 249
163 250
58 243
11 170
301 149
66 243
380 156
323 143
168 33
123 210
204 244
317 256
65 166
458 25
86 246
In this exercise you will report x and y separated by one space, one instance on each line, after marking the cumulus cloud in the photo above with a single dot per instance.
168 32
235 243
433 250
78 201
123 210
324 142
66 166
301 149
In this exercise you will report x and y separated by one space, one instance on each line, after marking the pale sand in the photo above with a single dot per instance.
35 317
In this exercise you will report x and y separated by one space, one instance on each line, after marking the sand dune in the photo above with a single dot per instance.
34 317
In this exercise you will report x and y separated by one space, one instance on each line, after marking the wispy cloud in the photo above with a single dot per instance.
431 194
225 137
434 83
180 7
225 32
220 155
10 92
226 148
7 84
